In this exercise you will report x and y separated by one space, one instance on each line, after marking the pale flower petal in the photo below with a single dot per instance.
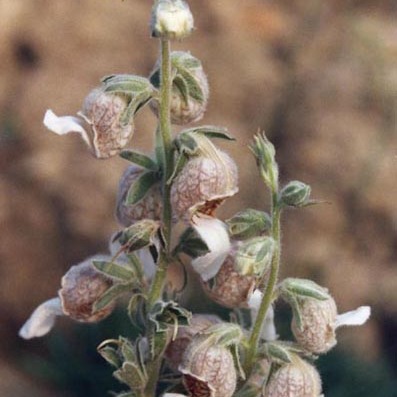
354 317
42 319
269 332
214 233
64 125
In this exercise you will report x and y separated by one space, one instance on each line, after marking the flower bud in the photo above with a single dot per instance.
230 288
204 183
319 321
171 19
295 194
82 285
249 223
295 379
150 207
208 370
198 323
190 89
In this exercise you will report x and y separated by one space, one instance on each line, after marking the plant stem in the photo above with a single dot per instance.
166 136
269 289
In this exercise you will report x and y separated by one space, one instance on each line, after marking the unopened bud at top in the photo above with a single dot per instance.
295 379
295 194
149 207
171 19
190 89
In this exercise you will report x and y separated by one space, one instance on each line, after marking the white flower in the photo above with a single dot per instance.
269 332
42 319
354 317
214 233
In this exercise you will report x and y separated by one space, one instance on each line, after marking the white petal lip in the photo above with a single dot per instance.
64 125
269 332
214 234
42 319
354 317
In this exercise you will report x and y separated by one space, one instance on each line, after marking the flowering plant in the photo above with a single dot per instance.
184 181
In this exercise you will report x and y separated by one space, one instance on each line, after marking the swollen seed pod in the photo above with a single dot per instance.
103 112
190 90
204 183
319 320
82 286
176 349
208 371
295 379
150 207
229 288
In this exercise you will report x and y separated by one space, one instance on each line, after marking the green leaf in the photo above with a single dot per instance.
212 131
131 375
278 353
111 294
179 164
194 88
128 350
139 159
181 85
110 355
191 244
114 270
141 186
303 288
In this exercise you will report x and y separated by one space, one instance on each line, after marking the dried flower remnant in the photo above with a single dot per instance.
190 89
295 379
208 370
319 321
82 285
150 206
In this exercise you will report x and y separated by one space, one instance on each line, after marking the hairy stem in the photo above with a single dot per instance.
269 288
165 130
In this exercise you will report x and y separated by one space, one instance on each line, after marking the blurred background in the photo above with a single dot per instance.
320 77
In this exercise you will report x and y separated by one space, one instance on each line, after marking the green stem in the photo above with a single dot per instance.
166 137
269 288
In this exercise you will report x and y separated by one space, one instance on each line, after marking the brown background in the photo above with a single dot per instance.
319 77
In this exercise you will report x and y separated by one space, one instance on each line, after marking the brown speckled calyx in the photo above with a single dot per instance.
150 207
318 319
103 111
82 285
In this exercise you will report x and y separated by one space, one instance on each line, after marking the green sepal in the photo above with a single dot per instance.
225 334
158 342
141 186
282 352
111 355
131 374
180 162
166 315
191 244
114 270
111 294
210 131
278 353
139 235
249 223
139 159
237 361
136 310
302 288
254 256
